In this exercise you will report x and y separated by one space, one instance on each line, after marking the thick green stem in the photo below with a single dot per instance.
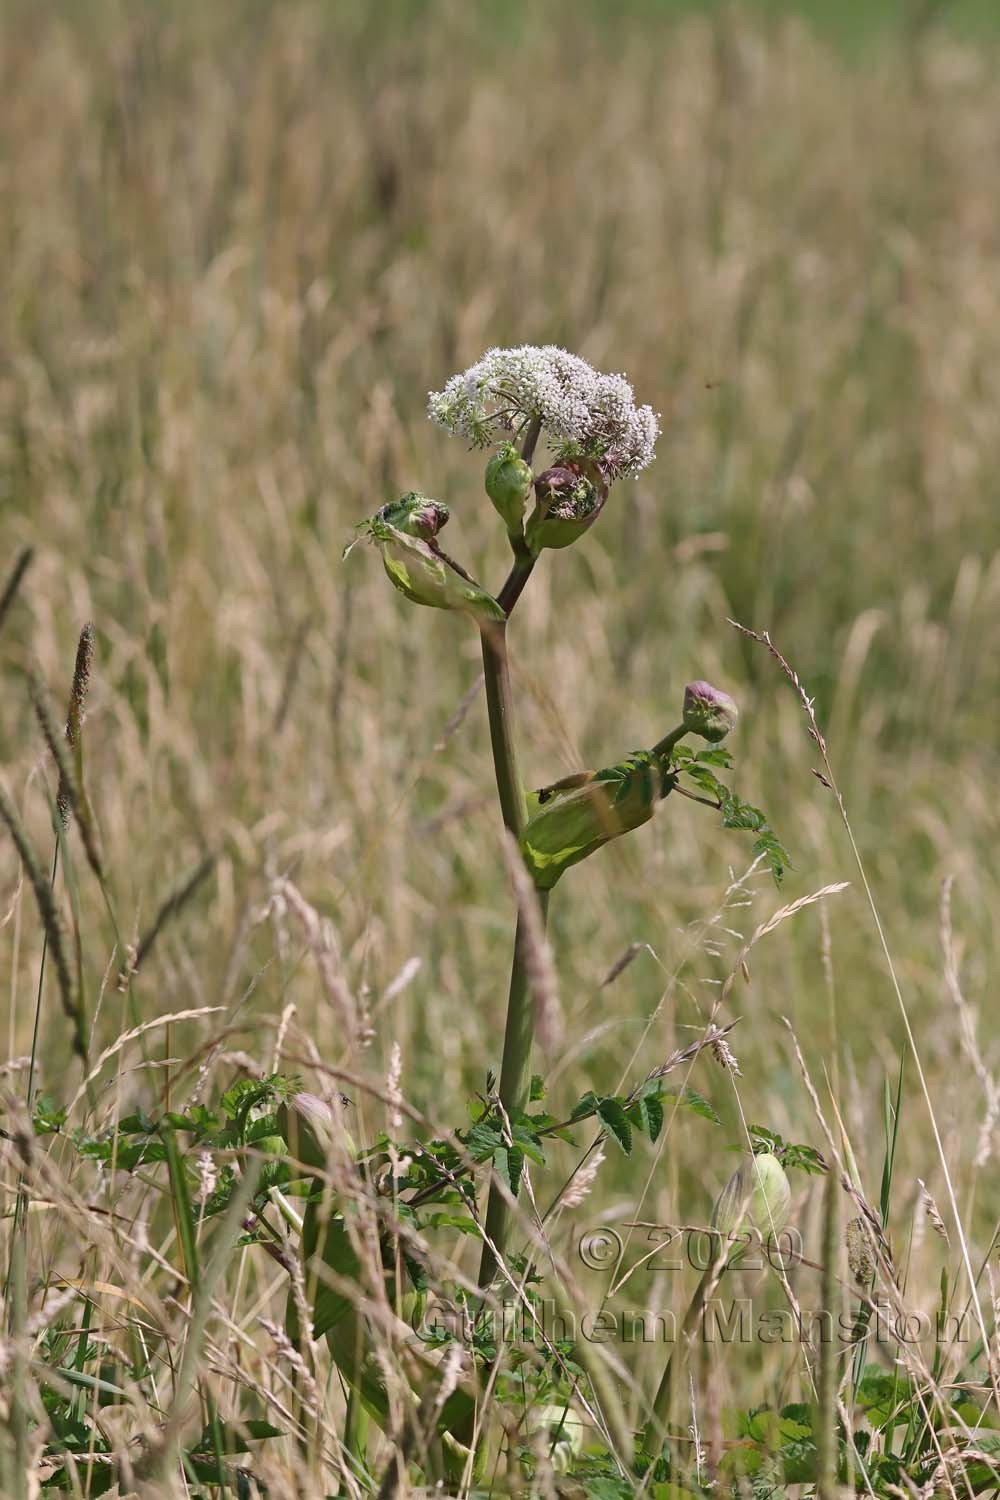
664 746
515 1070
657 1427
663 1400
500 708
516 579
515 1083
355 1436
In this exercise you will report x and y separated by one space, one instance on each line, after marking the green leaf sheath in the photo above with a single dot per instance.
579 815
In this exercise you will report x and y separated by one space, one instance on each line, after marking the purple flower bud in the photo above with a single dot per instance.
414 515
570 497
708 712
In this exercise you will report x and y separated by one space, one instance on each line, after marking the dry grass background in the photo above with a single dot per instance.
240 243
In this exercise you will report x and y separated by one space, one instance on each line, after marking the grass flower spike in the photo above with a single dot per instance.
582 412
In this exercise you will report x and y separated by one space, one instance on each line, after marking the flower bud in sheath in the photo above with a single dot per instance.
310 1126
758 1196
508 484
418 568
577 816
569 498
561 1431
708 712
414 514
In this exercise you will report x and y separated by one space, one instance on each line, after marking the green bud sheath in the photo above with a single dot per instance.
508 484
568 502
570 820
758 1195
771 1200
309 1125
425 576
562 1432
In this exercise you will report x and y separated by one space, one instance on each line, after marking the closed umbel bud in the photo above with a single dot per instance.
576 817
415 515
708 712
508 484
758 1195
570 497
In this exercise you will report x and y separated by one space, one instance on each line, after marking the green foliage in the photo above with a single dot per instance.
806 1158
83 1389
245 1119
48 1117
697 768
620 1114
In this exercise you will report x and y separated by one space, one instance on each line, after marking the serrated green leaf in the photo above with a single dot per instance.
612 1116
232 1437
652 1105
508 1163
585 1105
691 1099
482 1140
715 757
646 1113
529 1143
461 1222
338 1254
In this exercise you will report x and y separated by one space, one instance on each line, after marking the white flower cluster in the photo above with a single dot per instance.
581 410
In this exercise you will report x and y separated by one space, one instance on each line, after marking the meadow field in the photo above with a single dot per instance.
241 243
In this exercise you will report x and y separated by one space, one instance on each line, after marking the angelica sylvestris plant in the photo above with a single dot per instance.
364 1232
518 404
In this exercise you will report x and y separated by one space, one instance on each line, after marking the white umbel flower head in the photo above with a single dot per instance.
582 412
